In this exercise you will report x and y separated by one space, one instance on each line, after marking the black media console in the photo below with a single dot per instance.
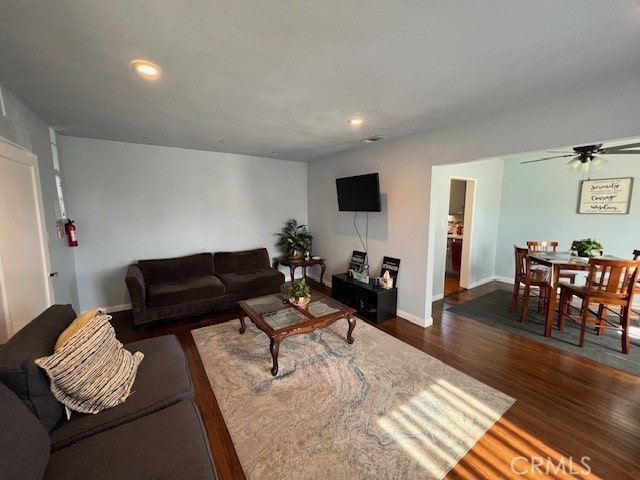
373 303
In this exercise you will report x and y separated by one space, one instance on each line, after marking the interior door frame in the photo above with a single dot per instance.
467 232
18 154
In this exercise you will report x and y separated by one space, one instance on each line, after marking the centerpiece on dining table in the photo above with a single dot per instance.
587 247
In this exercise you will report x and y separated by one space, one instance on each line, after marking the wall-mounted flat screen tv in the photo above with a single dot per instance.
359 194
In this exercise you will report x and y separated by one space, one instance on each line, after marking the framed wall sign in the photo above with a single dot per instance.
607 196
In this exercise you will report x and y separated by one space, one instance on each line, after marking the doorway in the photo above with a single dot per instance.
459 225
25 289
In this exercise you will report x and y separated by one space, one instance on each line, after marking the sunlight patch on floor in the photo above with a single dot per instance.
439 425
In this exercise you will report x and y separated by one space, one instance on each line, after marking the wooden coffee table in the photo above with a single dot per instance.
276 317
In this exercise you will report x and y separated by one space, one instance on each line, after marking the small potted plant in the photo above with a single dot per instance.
294 240
586 247
299 293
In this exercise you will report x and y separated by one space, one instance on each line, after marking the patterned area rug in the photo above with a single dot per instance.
376 409
493 309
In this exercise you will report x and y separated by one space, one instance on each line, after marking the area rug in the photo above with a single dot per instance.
493 309
378 408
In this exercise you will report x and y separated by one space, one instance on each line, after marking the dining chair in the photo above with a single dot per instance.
530 278
550 246
635 309
610 283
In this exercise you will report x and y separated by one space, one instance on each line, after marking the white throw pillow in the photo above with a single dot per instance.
92 371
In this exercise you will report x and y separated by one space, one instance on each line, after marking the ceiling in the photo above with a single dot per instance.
282 77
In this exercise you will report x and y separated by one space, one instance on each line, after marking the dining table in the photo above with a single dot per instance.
558 262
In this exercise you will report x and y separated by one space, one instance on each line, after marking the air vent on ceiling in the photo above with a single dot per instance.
375 138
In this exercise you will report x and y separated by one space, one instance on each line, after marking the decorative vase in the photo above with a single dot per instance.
296 254
300 301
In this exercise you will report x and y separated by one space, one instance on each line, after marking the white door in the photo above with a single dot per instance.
25 290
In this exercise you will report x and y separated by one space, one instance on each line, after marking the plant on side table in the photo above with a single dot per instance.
294 240
586 247
299 293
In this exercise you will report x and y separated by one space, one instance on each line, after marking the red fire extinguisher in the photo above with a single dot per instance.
70 229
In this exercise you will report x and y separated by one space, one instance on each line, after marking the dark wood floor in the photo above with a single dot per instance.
567 407
452 285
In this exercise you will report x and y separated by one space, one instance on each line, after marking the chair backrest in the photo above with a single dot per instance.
521 260
613 277
538 246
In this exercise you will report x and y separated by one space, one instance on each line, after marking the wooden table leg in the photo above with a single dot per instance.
292 271
352 325
275 349
551 312
322 272
242 327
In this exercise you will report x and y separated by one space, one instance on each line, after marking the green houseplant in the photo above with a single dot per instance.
587 247
299 293
294 239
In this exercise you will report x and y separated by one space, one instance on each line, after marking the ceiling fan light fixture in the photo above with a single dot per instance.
575 164
599 162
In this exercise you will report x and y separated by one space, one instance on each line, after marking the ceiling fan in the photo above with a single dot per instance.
592 155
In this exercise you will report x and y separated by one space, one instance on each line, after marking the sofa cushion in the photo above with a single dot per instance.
253 283
174 269
24 442
163 379
18 370
169 443
92 371
243 261
177 292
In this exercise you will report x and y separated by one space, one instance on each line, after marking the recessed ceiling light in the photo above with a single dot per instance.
144 137
355 121
375 138
275 154
146 69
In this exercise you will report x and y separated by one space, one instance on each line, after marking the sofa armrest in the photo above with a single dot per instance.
137 292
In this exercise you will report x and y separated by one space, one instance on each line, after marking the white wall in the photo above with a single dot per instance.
484 231
23 127
399 230
540 202
132 202
597 114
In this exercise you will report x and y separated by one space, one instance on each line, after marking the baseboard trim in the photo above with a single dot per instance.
415 319
117 308
503 279
437 297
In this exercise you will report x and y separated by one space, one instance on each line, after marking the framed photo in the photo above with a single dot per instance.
358 261
610 196
391 265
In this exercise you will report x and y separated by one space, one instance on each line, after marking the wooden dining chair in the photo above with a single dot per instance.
635 310
538 246
610 283
535 282
550 246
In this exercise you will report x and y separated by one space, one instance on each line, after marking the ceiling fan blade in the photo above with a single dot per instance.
549 158
619 152
617 148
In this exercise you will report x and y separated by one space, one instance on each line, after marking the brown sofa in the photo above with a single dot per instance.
170 288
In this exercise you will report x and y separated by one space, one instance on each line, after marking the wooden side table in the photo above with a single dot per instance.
294 263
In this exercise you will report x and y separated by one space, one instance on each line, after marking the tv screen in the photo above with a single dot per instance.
359 194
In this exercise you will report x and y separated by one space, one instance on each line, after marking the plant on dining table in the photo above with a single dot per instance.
587 247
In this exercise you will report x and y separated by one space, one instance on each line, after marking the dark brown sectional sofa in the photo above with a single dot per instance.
156 433
170 288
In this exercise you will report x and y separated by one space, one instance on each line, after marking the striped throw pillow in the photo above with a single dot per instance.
92 371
